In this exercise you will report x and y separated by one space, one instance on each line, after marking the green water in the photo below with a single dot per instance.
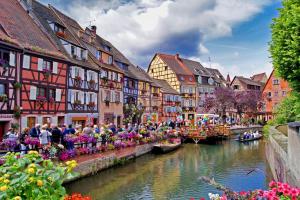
176 175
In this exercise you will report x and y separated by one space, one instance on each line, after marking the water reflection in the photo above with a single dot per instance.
175 175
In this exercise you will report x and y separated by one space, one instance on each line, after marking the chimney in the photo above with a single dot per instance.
177 56
94 30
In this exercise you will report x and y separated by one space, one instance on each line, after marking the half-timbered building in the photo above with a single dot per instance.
82 73
41 75
9 85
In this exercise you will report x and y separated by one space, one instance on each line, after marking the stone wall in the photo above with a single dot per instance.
282 153
96 164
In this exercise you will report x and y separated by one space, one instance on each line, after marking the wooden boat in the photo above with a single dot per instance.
165 148
250 139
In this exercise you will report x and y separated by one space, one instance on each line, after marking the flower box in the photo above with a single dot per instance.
91 104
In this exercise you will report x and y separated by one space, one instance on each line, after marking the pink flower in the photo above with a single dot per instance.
272 184
286 192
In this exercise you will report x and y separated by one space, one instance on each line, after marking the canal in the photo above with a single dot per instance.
175 175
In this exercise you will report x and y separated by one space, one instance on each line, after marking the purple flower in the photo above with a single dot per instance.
63 156
10 143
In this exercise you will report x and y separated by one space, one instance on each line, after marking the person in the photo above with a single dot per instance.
71 129
87 130
56 134
129 128
23 135
96 129
35 131
9 134
172 124
113 128
44 135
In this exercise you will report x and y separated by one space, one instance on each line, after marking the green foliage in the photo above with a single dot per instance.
288 110
285 43
266 128
31 177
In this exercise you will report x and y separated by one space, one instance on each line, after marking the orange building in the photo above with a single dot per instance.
275 90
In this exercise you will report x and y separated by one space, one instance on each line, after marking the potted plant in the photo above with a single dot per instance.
91 104
77 102
3 98
106 101
17 112
77 78
17 85
92 82
104 80
47 73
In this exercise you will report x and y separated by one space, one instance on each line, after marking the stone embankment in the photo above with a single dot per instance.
283 154
91 164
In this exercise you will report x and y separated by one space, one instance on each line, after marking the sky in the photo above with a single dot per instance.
230 35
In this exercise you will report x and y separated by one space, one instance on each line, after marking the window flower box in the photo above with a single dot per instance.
77 102
91 104
60 34
3 98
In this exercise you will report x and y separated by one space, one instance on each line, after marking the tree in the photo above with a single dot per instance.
247 101
222 101
285 43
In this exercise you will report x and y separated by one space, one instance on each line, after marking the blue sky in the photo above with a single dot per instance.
233 33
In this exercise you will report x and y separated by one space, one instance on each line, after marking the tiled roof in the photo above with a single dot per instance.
196 68
247 81
175 64
217 75
259 77
165 87
20 27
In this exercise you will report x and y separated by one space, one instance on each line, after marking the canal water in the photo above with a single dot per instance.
176 175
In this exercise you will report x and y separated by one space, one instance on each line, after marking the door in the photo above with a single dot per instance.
119 121
31 121
60 121
2 130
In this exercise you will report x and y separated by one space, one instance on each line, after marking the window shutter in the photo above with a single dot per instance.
95 99
88 100
81 72
119 77
58 95
40 64
82 97
109 75
121 97
12 59
88 75
72 71
112 98
85 54
96 77
72 95
32 95
103 94
54 67
26 62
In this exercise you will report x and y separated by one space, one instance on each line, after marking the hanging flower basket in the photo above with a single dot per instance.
3 98
47 73
17 85
17 112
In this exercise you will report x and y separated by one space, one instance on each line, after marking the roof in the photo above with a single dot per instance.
176 64
247 81
165 87
259 77
19 27
195 67
217 75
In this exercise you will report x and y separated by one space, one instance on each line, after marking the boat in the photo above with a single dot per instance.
165 148
258 137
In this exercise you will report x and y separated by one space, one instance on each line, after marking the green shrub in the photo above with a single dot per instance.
31 177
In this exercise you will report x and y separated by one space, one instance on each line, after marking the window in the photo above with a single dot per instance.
269 94
2 89
91 98
98 55
82 55
31 121
276 94
106 48
110 60
107 95
41 92
59 28
166 68
283 93
236 87
73 51
52 94
4 58
152 70
275 82
117 97
77 96
47 65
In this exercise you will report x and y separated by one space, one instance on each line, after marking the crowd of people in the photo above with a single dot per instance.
52 134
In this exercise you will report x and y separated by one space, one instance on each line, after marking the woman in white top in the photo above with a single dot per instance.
44 135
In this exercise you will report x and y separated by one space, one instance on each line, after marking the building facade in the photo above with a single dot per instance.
275 90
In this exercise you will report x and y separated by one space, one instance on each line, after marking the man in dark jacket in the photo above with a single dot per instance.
35 131
56 134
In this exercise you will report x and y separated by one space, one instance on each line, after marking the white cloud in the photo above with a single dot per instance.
141 25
